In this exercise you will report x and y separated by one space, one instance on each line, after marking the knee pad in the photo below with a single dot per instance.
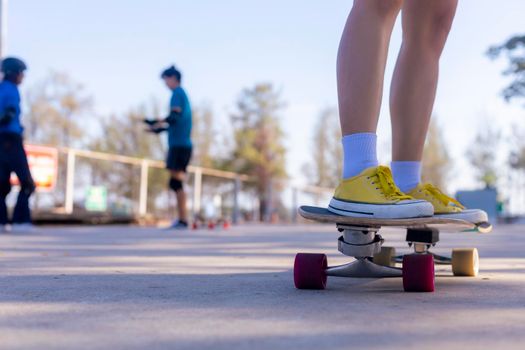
28 187
175 185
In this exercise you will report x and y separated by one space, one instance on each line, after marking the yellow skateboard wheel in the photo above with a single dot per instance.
465 262
385 257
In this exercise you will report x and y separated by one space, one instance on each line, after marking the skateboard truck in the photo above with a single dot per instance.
361 243
422 239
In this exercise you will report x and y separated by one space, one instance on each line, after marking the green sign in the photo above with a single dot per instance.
96 198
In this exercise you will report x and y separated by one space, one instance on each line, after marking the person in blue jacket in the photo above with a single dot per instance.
13 158
178 125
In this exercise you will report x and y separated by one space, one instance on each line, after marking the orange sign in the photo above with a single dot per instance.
43 163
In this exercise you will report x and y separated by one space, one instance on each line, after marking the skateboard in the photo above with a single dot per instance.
360 239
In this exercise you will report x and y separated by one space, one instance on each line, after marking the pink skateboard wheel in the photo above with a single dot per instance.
418 273
309 271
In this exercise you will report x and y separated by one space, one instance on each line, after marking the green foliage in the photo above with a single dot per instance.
258 139
482 154
258 136
514 48
436 160
55 115
56 109
517 156
127 136
204 137
325 167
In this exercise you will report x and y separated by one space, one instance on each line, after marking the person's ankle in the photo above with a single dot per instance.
359 153
408 188
407 174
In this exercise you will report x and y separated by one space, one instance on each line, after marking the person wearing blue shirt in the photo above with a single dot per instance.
178 126
13 158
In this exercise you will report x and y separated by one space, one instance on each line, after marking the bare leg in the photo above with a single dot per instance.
181 196
361 63
366 189
426 25
181 205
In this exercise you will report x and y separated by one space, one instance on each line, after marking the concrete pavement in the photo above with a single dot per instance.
136 288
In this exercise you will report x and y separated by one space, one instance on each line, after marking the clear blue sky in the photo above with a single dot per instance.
117 48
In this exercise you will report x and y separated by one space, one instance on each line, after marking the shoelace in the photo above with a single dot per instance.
386 184
443 198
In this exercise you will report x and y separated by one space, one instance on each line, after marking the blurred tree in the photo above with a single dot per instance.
127 136
482 154
515 52
325 166
436 160
517 156
204 137
258 141
56 108
516 160
55 115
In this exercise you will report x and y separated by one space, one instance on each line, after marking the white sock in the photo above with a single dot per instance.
359 153
407 174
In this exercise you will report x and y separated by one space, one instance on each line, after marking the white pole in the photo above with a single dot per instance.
143 200
70 181
197 190
3 27
236 190
295 204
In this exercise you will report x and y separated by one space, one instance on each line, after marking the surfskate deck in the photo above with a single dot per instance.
324 215
360 239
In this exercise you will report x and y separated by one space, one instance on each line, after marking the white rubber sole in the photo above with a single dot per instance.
401 210
470 215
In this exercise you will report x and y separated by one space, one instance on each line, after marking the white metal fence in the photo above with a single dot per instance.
229 194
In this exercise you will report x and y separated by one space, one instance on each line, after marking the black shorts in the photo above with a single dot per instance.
178 158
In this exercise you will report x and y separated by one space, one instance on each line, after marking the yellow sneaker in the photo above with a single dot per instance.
373 194
445 206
